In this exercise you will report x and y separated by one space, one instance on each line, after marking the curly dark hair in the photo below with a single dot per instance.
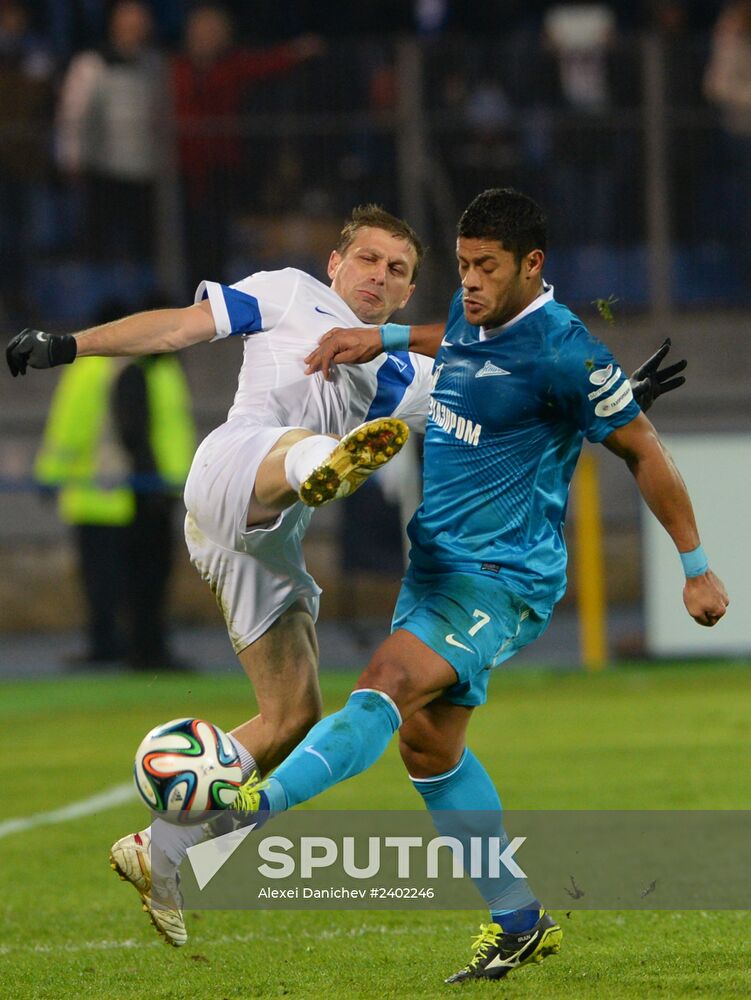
506 215
374 217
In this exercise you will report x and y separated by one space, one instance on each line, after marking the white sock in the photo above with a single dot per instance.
173 841
247 760
306 455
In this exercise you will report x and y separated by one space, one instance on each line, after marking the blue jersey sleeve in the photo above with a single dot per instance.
589 386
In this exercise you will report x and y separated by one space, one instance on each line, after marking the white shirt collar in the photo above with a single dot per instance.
541 300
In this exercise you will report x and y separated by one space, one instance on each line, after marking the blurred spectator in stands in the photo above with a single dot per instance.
117 447
581 37
727 83
211 78
25 114
74 25
110 130
686 146
592 155
431 16
489 151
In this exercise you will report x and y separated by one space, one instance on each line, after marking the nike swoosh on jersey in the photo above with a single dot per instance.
455 642
490 369
325 312
398 362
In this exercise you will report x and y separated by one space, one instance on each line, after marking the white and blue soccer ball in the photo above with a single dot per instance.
185 769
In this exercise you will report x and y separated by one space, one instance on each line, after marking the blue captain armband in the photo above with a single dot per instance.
695 562
395 337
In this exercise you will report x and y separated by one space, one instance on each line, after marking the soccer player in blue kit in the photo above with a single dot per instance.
255 573
518 383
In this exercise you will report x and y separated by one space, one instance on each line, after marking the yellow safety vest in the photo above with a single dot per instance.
80 453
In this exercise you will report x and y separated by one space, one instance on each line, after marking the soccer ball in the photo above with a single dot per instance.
185 769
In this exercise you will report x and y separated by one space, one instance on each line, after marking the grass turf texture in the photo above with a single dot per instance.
677 737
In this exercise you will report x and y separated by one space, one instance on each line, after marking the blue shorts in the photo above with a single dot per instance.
472 621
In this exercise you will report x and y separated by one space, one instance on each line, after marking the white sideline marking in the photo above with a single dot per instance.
115 796
230 939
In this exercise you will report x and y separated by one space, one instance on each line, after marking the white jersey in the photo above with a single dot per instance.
282 315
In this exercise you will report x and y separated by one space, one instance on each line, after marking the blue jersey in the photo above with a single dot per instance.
508 414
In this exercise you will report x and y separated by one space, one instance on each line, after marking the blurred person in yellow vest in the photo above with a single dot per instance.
117 447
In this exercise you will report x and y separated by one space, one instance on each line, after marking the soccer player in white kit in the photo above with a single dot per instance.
245 521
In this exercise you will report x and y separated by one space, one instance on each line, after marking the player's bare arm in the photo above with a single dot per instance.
356 345
154 332
664 492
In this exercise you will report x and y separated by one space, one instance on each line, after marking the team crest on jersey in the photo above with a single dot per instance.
601 376
490 369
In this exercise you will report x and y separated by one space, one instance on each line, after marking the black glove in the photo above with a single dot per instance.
40 350
648 383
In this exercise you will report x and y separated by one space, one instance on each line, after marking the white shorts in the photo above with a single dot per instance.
254 574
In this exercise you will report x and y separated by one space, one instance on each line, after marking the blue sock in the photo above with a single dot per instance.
338 747
463 803
517 921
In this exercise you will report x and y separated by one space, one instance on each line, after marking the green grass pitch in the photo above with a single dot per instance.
667 737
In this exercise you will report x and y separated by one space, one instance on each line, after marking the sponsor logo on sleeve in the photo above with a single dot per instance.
607 384
618 401
601 376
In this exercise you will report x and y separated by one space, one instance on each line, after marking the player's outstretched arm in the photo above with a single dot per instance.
664 491
356 345
650 381
143 333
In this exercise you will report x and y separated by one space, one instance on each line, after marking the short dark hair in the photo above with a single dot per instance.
375 217
506 215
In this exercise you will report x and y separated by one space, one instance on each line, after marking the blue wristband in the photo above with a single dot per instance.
694 563
395 337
